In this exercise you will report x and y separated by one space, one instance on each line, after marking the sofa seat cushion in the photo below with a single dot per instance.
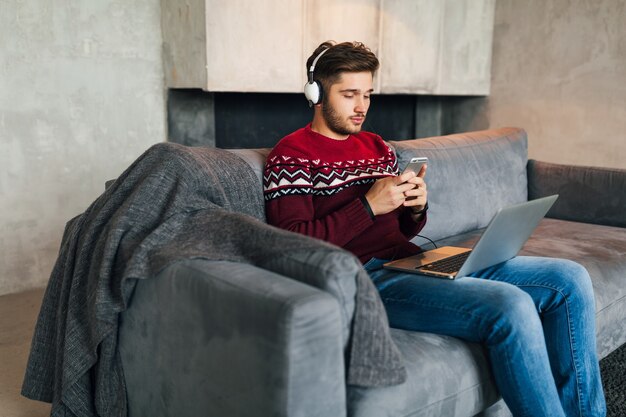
446 377
600 249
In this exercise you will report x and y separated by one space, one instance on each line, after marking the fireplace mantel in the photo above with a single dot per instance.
426 47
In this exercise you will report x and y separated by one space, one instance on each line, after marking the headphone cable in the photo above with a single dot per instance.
428 239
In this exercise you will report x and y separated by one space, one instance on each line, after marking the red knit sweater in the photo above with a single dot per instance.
313 186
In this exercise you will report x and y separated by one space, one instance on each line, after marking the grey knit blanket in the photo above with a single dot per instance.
173 203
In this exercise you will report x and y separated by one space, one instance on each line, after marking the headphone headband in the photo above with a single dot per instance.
315 63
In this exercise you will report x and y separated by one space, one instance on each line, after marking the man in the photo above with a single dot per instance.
333 181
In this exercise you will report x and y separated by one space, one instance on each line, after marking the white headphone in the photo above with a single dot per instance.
313 90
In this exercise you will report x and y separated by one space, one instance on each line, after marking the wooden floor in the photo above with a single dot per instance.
18 313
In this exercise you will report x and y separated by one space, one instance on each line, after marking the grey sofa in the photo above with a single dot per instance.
217 338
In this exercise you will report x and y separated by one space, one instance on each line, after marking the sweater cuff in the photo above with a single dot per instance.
357 216
422 211
367 206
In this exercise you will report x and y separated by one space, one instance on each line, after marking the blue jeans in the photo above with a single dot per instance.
534 316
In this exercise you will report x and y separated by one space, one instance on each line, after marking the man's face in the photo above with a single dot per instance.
344 107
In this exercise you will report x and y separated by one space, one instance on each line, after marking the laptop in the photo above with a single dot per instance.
505 235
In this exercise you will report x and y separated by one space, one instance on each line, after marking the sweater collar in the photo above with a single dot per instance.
324 137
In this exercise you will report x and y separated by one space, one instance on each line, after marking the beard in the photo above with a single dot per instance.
336 123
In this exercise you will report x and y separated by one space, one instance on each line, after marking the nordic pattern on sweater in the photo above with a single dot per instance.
286 175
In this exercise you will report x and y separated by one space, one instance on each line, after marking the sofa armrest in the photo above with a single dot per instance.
586 194
231 339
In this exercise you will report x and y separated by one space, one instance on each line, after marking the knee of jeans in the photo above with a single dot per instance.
513 312
573 281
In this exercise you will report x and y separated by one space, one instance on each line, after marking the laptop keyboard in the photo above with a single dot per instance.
447 265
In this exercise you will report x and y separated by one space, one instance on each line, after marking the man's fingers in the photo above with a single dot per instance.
422 172
407 186
415 192
419 182
405 177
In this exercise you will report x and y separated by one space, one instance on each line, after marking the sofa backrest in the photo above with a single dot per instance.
255 158
470 175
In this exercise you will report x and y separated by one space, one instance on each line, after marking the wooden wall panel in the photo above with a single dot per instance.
430 47
184 43
411 42
341 21
254 46
465 53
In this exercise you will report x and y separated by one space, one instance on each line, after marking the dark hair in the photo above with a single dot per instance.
342 57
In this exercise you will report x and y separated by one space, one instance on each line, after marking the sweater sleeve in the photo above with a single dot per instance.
288 189
296 213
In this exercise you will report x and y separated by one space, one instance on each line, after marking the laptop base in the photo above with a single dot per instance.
412 264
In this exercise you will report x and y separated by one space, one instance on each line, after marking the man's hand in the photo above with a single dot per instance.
389 193
418 196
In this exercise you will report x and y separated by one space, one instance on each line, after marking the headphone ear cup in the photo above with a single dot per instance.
321 92
313 92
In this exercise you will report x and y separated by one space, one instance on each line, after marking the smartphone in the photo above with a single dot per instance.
415 164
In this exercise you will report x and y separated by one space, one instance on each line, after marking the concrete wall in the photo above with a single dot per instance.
559 71
81 96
